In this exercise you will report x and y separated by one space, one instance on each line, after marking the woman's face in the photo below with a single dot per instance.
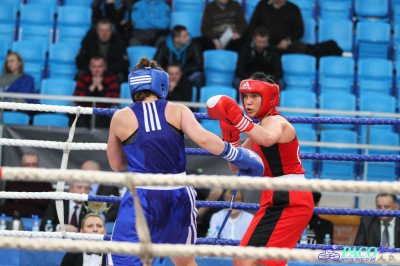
13 64
174 73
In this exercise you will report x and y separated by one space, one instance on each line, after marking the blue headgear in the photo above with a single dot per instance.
151 79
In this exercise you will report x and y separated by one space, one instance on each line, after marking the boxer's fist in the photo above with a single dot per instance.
248 162
230 133
225 109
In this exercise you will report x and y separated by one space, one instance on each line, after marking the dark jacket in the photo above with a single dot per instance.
103 190
321 227
369 232
182 91
189 57
51 214
117 59
250 61
76 259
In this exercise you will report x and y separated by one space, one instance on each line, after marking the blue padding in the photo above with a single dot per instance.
41 258
10 257
200 261
109 227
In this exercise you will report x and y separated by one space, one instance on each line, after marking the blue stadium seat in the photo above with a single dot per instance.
86 3
16 3
52 3
250 5
382 171
135 53
15 118
41 33
191 20
38 14
219 67
125 93
188 5
54 86
72 34
4 47
36 71
212 126
307 8
62 60
371 9
78 16
333 9
299 70
307 134
8 20
337 101
310 35
336 73
374 75
298 99
373 39
50 120
31 51
207 92
342 170
339 30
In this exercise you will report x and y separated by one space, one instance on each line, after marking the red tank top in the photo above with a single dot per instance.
280 158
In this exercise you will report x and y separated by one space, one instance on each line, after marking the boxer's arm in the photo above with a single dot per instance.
115 153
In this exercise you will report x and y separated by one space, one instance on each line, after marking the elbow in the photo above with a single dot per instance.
118 167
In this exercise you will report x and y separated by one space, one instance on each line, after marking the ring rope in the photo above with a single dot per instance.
200 181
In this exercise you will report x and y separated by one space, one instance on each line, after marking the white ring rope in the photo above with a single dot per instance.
44 195
56 235
201 181
45 108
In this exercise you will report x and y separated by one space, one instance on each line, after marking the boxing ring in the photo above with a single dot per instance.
204 247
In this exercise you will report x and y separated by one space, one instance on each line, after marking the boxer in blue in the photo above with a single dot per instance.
148 137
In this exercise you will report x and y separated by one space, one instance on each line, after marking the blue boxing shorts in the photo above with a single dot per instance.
170 214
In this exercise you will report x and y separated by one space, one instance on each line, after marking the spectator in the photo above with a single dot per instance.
97 82
91 224
237 223
317 227
103 41
13 78
258 56
100 189
74 211
180 87
284 22
27 207
179 47
218 17
150 20
380 231
204 214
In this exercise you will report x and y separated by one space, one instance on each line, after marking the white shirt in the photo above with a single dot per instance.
234 228
390 231
91 260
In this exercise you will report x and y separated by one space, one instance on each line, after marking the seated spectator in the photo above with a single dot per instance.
237 223
27 207
103 41
74 210
13 78
91 224
100 189
150 20
258 56
97 82
179 47
218 16
180 87
318 227
380 231
114 10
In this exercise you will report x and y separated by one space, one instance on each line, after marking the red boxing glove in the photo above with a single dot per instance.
225 109
230 134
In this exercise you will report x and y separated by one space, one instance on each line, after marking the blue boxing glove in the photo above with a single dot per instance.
248 162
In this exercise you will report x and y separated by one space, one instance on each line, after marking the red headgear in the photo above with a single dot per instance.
269 94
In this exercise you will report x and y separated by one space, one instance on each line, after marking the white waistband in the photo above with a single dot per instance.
291 176
164 187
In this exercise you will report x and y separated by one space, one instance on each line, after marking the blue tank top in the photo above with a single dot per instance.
156 146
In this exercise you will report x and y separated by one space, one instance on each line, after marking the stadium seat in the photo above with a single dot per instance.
78 16
250 5
36 70
307 134
8 20
4 47
339 30
30 51
15 118
333 9
86 3
38 14
307 8
16 3
336 73
337 101
135 53
371 9
373 39
207 92
382 171
51 3
188 5
342 170
212 126
72 34
219 67
310 35
374 75
50 120
41 33
62 60
299 71
125 93
57 86
298 99
191 20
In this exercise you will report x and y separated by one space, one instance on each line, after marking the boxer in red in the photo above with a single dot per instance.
283 215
